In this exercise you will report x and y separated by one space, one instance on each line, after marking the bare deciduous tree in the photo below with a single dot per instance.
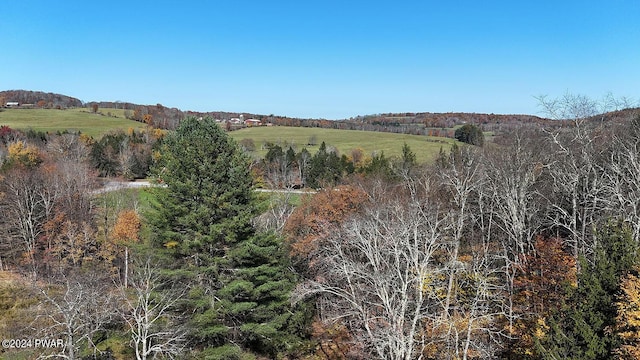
75 310
510 209
473 329
374 268
579 107
24 205
623 170
150 302
511 176
579 185
568 107
390 276
280 208
68 147
460 176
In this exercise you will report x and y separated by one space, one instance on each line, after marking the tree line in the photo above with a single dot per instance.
39 98
325 168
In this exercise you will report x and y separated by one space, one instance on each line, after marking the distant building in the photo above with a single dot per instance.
12 104
253 122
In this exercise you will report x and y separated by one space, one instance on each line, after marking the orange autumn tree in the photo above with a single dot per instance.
305 230
126 231
318 214
546 275
148 119
335 342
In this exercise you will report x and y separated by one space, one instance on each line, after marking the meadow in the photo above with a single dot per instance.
79 119
426 148
84 120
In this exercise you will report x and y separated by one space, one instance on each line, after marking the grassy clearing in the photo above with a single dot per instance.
118 113
425 147
81 119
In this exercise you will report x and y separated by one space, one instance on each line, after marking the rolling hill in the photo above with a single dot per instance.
78 119
426 148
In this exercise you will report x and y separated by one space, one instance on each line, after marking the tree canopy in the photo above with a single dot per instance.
470 134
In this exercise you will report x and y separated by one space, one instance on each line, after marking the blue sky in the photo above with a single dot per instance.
323 59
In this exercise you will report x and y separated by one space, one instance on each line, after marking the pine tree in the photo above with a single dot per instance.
207 204
205 209
238 280
256 297
379 165
325 168
407 161
583 328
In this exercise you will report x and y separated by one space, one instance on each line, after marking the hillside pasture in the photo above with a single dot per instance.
118 113
426 148
52 121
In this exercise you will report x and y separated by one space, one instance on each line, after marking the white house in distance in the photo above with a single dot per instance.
238 122
12 104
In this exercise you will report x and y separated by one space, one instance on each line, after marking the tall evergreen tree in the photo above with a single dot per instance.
583 328
204 210
238 280
379 165
207 204
407 161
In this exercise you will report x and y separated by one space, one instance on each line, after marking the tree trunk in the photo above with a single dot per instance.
126 267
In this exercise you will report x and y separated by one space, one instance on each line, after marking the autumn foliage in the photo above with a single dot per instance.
126 230
127 227
24 154
545 277
334 341
318 215
628 319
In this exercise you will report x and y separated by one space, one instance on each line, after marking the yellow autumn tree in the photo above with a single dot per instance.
86 139
628 319
26 155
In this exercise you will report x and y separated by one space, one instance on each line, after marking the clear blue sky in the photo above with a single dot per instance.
323 59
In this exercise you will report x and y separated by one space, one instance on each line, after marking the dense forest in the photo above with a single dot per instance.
523 248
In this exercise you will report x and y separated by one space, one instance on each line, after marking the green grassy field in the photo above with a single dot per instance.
80 119
83 120
119 113
426 148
